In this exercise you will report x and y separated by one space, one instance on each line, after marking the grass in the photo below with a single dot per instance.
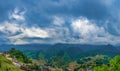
6 65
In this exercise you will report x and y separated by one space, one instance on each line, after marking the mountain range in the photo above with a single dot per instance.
74 50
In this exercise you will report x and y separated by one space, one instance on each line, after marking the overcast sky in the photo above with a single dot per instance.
60 21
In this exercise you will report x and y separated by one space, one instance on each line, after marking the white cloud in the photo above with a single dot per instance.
32 32
85 28
90 33
9 28
35 32
87 31
58 21
17 15
55 34
16 32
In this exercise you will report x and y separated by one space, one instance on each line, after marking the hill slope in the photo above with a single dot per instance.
6 65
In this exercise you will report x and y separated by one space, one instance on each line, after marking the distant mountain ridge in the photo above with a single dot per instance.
73 50
84 47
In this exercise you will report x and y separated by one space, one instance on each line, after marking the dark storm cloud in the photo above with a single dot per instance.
92 9
89 8
42 13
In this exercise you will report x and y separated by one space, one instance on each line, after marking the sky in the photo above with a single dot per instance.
60 21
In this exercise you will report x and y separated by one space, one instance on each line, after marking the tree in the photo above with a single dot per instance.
19 55
102 68
114 65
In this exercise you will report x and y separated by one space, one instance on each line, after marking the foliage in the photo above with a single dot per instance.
61 60
113 66
115 63
6 65
19 55
102 68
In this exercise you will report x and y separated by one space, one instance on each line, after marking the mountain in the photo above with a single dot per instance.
73 50
118 47
25 47
78 50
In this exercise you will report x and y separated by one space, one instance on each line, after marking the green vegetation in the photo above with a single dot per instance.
59 61
19 56
113 66
95 63
62 60
6 65
90 62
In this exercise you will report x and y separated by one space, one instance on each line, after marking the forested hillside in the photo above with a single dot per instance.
58 62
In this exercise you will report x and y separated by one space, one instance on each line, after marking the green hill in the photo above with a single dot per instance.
6 65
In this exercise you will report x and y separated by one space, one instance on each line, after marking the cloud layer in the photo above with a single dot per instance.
60 21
